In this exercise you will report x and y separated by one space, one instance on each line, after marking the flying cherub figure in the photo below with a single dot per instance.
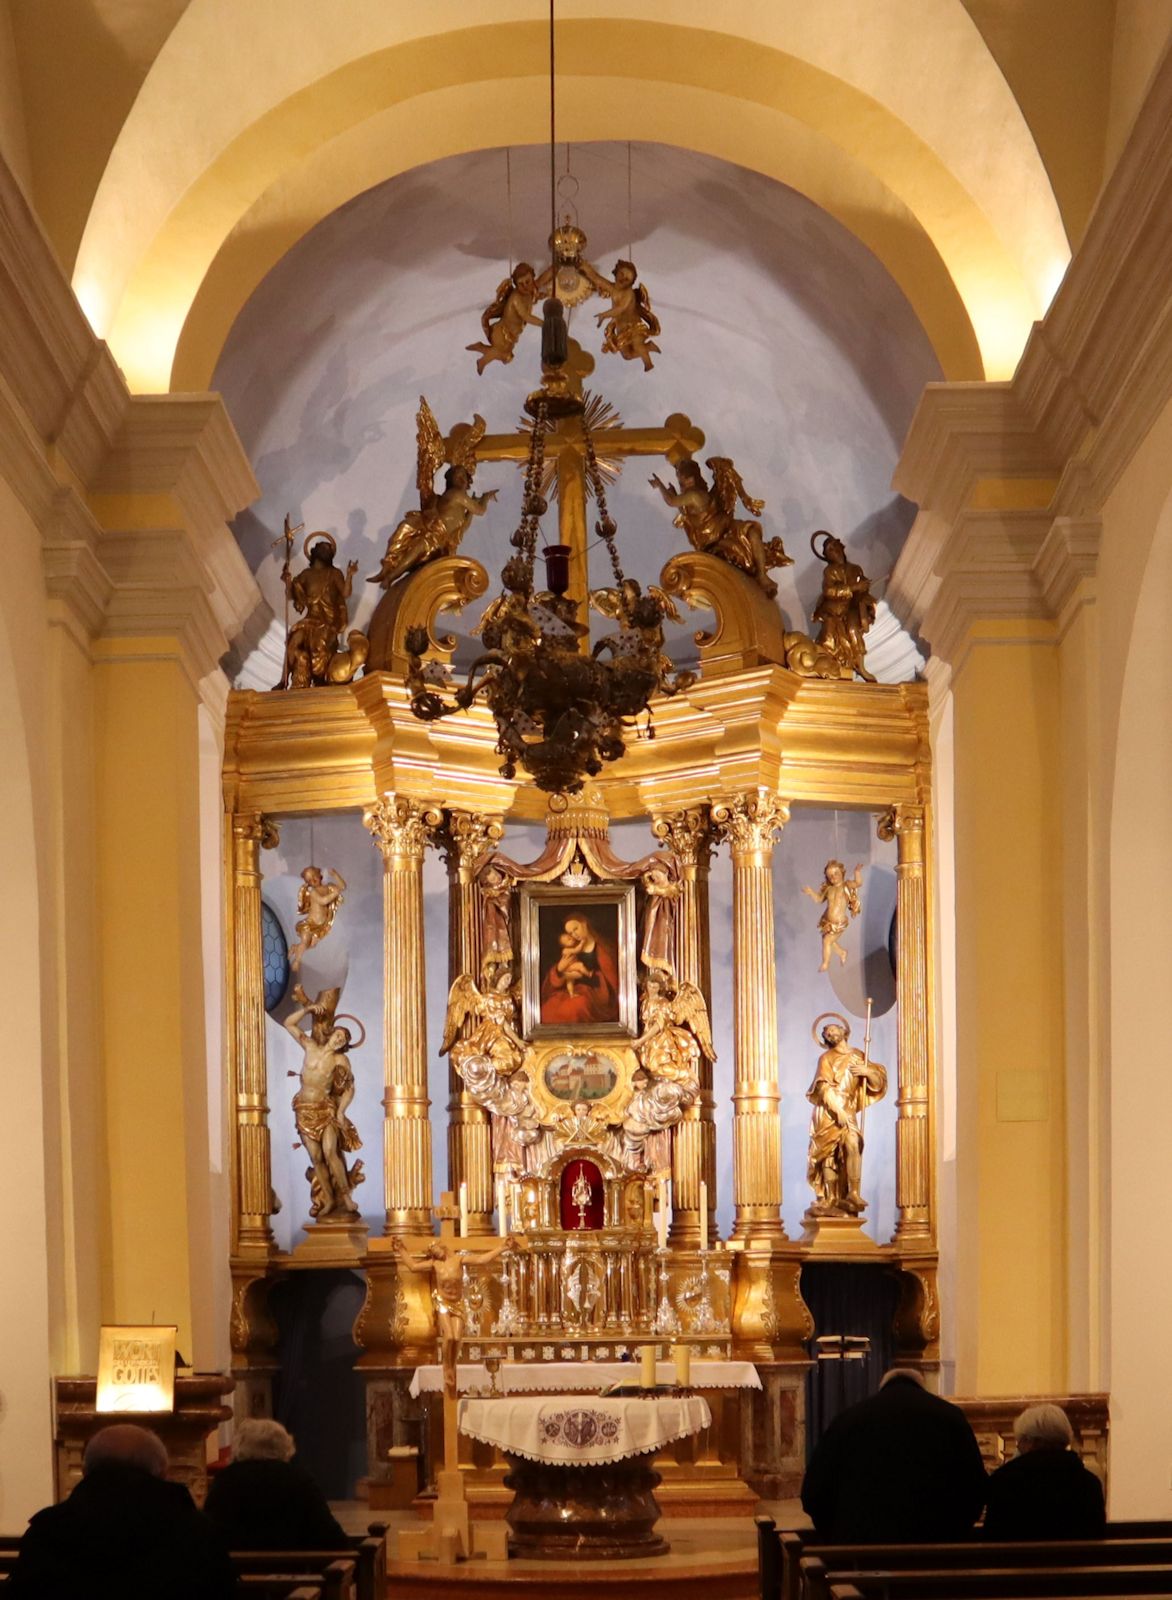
318 903
640 635
841 897
708 517
506 318
631 325
442 520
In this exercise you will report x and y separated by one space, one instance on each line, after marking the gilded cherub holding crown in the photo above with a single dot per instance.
443 519
708 517
631 325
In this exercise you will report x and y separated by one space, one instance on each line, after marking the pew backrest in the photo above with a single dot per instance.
997 1583
337 1572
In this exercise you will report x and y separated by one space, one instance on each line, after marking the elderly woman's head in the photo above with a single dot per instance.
262 1439
1044 1427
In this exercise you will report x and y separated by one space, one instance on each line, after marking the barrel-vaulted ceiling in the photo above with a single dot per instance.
178 150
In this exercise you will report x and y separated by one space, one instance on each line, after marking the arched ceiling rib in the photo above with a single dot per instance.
906 102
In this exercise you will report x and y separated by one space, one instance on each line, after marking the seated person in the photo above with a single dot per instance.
1045 1492
124 1533
901 1467
264 1500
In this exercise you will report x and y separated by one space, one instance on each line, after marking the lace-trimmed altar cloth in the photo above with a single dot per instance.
581 1377
581 1430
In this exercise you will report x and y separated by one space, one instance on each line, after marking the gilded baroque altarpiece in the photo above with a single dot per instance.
733 755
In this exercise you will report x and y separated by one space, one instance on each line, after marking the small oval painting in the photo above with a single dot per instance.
581 1075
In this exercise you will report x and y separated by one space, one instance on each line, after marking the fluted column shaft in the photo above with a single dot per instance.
466 840
402 828
913 1181
688 835
750 823
253 1155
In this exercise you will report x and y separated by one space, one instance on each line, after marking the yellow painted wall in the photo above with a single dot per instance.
1010 1267
152 982
13 137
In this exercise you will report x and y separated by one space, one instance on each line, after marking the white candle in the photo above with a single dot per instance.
647 1353
703 1215
681 1354
463 1211
502 1221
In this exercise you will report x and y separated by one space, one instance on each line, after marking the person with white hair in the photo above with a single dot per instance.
1045 1492
901 1467
264 1500
124 1533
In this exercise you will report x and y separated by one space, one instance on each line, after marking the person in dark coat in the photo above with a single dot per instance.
1045 1492
901 1467
124 1533
264 1500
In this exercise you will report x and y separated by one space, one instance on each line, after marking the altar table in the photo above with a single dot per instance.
580 1377
580 1468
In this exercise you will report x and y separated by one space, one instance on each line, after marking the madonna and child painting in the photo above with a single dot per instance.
579 967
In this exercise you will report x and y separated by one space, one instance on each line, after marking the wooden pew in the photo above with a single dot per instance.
840 1560
337 1570
276 1576
998 1583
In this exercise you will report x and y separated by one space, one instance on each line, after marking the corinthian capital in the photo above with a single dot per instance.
465 838
899 819
400 826
688 835
252 827
750 822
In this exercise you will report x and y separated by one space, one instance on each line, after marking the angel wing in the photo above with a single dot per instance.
467 441
727 488
493 612
643 301
429 454
303 899
464 1001
496 310
608 602
666 603
691 1013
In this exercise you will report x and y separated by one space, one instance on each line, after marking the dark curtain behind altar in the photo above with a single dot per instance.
853 1308
317 1394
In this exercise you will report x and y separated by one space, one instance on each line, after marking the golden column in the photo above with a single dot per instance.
913 1168
750 823
402 828
465 841
688 835
250 833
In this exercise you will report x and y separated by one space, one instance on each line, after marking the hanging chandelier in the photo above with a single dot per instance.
562 710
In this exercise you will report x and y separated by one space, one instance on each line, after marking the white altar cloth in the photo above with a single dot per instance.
573 1430
581 1377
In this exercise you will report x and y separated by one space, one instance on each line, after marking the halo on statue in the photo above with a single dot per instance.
824 536
311 538
833 1016
345 1016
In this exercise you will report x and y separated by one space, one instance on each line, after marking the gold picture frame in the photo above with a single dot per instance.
567 1072
136 1369
578 968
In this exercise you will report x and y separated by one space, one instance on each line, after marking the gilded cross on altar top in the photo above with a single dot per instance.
447 1214
565 447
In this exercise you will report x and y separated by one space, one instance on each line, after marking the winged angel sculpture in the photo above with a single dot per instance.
676 1037
480 1035
639 639
708 517
443 519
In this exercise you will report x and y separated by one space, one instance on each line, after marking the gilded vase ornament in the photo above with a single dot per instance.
320 593
708 517
443 518
840 896
846 1082
317 903
320 1105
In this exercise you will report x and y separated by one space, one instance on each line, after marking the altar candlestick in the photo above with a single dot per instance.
681 1354
502 1221
463 1211
647 1354
703 1215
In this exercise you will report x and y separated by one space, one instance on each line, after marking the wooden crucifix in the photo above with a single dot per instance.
565 446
